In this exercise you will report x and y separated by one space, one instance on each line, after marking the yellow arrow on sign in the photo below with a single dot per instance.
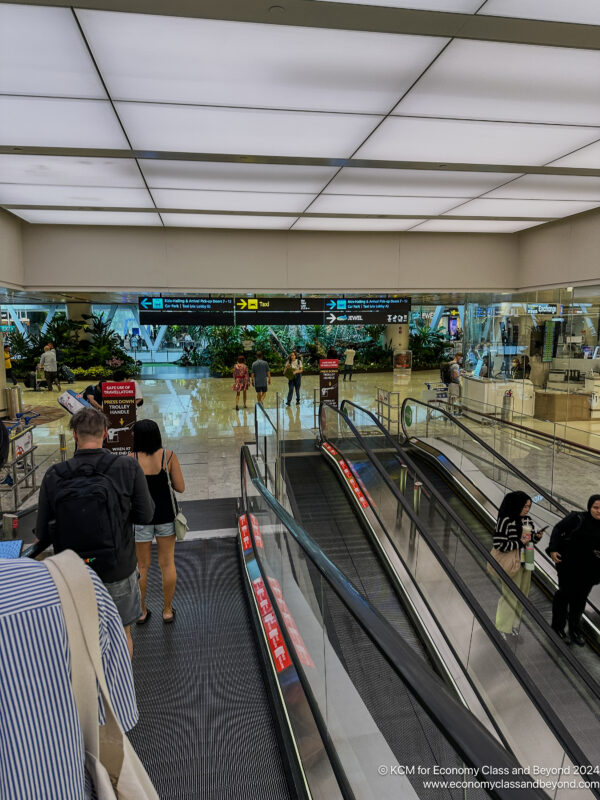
121 420
241 303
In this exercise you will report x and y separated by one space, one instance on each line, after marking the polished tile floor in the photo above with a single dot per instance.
199 421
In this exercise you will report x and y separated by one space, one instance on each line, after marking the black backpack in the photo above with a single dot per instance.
87 516
446 372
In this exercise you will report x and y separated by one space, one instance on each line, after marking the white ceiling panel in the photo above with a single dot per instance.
456 6
230 201
69 171
29 194
382 204
550 187
582 11
426 183
357 224
585 157
228 130
235 177
522 208
226 221
216 62
88 217
474 226
418 139
42 52
31 121
501 81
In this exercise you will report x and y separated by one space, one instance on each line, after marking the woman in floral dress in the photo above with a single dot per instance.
241 378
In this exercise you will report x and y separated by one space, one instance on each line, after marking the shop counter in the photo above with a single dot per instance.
562 406
485 395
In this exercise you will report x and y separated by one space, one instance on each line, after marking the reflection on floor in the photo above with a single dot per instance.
198 419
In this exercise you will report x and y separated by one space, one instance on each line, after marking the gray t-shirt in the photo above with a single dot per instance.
48 361
260 370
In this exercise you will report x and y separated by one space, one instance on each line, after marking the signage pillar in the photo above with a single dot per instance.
328 381
118 403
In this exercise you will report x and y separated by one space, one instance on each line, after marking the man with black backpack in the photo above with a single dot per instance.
89 504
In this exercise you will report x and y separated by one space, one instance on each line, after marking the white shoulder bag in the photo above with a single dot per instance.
179 521
113 765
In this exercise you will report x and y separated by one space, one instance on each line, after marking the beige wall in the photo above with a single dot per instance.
11 251
73 257
565 253
99 258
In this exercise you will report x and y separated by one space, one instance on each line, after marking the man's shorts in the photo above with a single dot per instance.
127 598
145 533
261 388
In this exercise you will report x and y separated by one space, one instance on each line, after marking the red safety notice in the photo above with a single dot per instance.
244 533
281 657
290 625
256 531
262 598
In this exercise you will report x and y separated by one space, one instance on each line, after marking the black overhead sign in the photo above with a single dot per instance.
197 310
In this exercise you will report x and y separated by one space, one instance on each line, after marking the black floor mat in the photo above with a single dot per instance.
210 515
206 728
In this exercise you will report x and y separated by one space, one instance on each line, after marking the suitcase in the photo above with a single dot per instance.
66 374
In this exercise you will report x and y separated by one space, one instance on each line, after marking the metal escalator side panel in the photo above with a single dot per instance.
454 602
435 640
308 769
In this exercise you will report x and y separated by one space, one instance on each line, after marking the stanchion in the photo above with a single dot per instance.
62 446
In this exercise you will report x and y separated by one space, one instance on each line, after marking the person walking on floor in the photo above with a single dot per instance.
575 549
349 355
514 529
261 376
48 364
241 381
8 366
89 504
293 372
163 474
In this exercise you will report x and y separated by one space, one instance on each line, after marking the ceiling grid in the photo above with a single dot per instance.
240 124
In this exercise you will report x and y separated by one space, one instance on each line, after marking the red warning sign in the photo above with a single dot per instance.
244 533
281 657
256 531
290 625
262 598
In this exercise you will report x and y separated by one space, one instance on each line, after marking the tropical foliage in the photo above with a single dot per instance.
223 345
89 347
429 347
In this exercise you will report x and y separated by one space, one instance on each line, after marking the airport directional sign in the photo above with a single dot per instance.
203 310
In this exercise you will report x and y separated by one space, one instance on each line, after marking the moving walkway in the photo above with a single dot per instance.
383 538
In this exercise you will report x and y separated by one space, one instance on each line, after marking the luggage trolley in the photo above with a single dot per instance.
436 392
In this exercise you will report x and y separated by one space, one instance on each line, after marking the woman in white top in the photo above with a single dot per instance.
295 363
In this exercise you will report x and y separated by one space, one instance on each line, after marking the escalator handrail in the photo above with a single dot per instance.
511 467
543 707
523 599
468 736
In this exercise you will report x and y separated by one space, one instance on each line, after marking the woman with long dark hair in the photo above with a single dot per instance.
155 461
514 530
575 549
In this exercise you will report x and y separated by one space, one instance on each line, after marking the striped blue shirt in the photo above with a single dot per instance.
41 746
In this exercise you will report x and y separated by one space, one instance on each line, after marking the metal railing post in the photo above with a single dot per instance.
62 446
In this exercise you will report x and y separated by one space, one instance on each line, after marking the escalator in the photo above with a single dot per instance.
318 495
473 478
280 680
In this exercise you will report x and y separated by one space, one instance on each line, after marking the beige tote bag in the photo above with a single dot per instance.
113 765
